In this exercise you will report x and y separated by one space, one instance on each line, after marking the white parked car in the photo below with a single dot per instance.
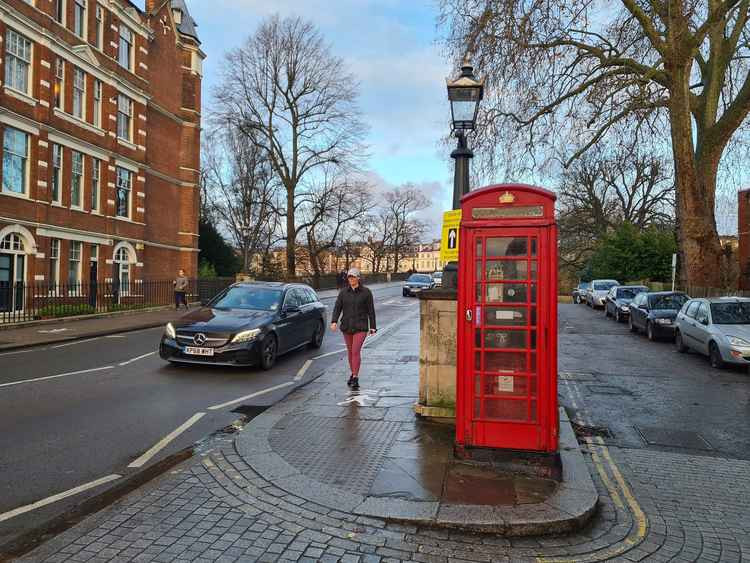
437 277
596 295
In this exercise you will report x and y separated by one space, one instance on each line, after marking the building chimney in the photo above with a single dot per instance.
151 5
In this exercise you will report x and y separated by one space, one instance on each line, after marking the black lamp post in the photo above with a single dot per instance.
464 93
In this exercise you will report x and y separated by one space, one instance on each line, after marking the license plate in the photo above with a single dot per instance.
415 289
199 351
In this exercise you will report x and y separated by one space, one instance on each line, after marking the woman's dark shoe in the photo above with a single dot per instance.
349 383
355 383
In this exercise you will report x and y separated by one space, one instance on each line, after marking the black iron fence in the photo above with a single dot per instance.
33 301
331 281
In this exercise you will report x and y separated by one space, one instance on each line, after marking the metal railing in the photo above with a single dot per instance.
20 301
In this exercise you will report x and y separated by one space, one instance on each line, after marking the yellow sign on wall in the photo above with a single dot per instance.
449 242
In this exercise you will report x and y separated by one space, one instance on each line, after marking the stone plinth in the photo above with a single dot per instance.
437 355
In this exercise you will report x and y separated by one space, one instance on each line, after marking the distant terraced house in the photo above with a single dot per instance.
100 110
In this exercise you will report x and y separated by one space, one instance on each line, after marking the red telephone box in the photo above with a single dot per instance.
506 389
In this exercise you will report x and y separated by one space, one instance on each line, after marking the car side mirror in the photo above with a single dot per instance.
704 321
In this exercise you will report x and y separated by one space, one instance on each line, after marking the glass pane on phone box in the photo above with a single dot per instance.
505 409
507 246
533 270
505 385
478 361
505 338
532 414
498 270
507 293
509 362
510 316
477 408
533 246
479 248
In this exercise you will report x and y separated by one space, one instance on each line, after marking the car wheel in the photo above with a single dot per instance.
632 327
317 336
268 352
650 332
606 312
714 356
618 317
577 300
404 293
679 343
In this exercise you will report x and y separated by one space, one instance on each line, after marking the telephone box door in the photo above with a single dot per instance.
504 330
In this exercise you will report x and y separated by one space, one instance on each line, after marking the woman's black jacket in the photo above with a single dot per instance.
356 309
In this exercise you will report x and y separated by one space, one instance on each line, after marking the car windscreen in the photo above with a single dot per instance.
257 298
730 313
667 302
420 278
584 285
437 275
628 292
604 286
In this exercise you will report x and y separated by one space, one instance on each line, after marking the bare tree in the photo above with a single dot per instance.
291 96
243 191
565 72
403 230
326 210
599 192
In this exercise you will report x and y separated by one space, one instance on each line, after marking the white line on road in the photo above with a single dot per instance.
126 362
330 354
302 370
115 336
161 444
59 496
21 352
252 395
55 376
76 342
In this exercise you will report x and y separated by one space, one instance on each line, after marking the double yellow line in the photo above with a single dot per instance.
618 489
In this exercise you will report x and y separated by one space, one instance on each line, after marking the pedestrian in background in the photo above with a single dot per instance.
180 290
356 308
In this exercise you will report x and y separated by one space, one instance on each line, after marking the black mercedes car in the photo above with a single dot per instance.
655 313
247 324
617 303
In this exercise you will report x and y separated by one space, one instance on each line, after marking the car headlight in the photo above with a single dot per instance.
663 321
737 341
169 331
624 308
246 335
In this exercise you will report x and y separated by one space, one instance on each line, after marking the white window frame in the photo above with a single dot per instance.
96 167
121 174
59 97
54 264
61 9
19 55
24 160
57 167
79 93
74 261
76 179
97 117
122 257
99 33
80 5
124 117
125 47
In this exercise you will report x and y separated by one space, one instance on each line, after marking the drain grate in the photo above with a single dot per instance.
654 436
341 452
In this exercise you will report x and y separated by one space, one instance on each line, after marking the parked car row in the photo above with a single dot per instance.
717 327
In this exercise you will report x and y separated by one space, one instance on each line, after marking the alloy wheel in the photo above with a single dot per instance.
650 332
714 356
317 337
679 343
268 352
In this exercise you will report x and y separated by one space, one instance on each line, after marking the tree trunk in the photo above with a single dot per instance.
291 262
695 186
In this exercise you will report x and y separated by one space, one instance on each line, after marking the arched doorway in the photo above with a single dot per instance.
12 272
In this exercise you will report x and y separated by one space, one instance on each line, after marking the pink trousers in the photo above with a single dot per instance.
354 343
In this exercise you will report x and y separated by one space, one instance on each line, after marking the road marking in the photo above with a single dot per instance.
115 336
161 444
52 331
126 362
252 395
75 342
59 496
55 376
21 352
302 370
329 354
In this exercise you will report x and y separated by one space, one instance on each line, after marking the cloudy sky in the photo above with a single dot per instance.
390 46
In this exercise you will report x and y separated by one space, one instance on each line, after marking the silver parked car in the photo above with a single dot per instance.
718 327
597 293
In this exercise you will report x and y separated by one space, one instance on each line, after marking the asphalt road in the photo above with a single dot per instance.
646 394
77 412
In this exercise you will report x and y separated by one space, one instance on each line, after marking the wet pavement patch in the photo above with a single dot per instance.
474 484
608 390
590 431
654 436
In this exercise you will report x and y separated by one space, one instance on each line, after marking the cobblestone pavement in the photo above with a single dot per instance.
654 506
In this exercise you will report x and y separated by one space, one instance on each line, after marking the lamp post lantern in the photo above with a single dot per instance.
464 94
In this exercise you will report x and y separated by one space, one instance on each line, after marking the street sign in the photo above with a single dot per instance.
449 243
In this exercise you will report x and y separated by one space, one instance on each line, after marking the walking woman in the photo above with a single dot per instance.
356 309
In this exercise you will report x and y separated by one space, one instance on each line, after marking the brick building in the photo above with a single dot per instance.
100 108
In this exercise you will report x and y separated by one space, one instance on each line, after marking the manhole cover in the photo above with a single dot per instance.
608 390
673 438
342 452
